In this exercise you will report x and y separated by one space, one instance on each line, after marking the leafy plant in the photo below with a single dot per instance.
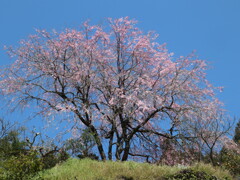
22 167
231 161
189 174
82 147
236 137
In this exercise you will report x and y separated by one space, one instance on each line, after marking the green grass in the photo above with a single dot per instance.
86 169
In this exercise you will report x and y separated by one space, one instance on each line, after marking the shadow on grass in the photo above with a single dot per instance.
124 178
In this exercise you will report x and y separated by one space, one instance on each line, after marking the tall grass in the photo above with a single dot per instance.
87 169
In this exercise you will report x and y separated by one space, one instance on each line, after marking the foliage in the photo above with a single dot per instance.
23 166
82 146
236 137
11 145
230 160
189 174
5 127
17 161
229 156
216 171
51 159
108 170
22 159
174 153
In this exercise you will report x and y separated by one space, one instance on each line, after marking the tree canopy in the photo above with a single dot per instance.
117 81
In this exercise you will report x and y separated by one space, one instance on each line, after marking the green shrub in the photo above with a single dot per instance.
189 174
21 167
90 156
51 159
231 161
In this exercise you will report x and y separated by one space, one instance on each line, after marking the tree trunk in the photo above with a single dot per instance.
110 146
118 145
126 151
98 142
211 157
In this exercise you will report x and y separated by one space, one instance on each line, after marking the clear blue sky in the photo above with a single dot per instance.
211 27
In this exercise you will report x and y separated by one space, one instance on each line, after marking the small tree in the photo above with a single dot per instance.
210 137
49 155
17 160
5 127
10 142
82 146
230 153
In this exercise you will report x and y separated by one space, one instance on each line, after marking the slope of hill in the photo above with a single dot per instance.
86 169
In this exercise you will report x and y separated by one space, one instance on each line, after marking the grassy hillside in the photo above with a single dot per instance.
87 169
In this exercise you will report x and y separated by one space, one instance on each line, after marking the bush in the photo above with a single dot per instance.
82 146
51 159
231 161
90 156
25 166
189 174
21 167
